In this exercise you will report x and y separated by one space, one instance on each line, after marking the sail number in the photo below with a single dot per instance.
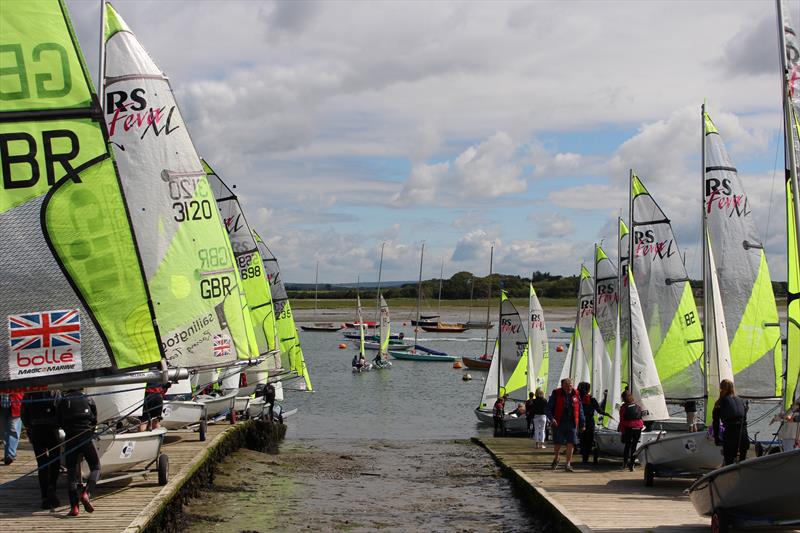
246 267
192 210
46 84
213 257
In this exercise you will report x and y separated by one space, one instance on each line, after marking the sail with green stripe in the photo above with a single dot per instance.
513 349
68 255
623 251
251 269
748 302
607 297
538 347
292 359
385 329
584 323
197 294
667 300
791 109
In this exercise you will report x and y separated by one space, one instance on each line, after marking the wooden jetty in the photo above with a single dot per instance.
598 497
131 506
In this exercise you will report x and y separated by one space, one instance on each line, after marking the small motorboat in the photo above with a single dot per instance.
759 491
481 362
445 327
322 326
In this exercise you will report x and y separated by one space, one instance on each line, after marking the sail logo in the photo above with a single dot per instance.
131 112
232 224
587 308
44 343
719 195
222 345
506 326
647 245
537 321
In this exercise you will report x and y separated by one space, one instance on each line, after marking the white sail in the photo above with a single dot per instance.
601 362
117 401
613 398
538 347
568 360
718 352
489 395
646 385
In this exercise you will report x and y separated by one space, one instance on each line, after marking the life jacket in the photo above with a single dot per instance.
76 412
632 412
559 409
39 409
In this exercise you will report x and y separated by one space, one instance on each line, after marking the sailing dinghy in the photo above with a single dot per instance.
764 490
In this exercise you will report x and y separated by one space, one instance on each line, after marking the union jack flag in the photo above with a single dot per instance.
222 346
46 329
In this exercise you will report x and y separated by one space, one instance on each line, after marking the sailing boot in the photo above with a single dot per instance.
74 511
87 504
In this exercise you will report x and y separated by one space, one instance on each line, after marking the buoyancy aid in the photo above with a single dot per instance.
561 398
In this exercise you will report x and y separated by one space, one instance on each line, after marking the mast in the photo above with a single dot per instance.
704 252
489 302
471 291
419 293
631 239
594 318
499 343
439 305
101 68
316 282
378 295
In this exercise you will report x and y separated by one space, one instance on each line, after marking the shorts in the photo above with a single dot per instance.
153 406
565 434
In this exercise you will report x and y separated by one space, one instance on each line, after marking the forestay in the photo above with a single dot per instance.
74 296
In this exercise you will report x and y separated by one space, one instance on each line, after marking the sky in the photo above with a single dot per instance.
345 125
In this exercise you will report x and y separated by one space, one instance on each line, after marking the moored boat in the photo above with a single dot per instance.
419 355
446 327
322 326
478 362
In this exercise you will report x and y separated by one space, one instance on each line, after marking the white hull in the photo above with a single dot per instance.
365 368
610 442
763 489
687 453
514 424
247 391
125 450
256 408
179 414
241 403
216 405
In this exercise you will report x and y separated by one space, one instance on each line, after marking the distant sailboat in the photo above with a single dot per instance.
319 326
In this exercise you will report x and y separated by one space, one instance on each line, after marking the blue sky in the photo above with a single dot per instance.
349 124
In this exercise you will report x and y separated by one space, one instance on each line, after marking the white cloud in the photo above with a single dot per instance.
552 225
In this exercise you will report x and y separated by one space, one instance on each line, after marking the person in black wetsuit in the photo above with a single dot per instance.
39 416
590 409
77 416
732 412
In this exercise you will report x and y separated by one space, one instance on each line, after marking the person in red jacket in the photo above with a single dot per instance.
565 412
10 424
630 425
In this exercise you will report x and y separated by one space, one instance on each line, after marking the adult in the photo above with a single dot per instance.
39 416
539 414
529 412
630 425
590 409
357 362
732 412
566 416
269 400
77 416
153 406
498 416
690 407
10 424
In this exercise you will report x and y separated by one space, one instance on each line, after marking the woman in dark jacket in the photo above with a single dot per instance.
590 408
77 416
732 412
39 416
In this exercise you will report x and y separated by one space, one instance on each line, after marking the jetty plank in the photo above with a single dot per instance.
126 505
598 497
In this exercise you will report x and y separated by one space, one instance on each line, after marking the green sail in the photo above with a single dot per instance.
291 351
251 267
197 294
751 316
68 259
667 301
513 352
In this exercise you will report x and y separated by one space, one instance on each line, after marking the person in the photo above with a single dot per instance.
529 412
269 400
77 416
566 415
518 411
732 412
356 362
590 408
630 425
153 405
39 416
790 429
539 414
498 417
690 406
10 424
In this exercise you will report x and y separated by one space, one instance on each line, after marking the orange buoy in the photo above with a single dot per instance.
457 364
405 323
554 330
560 348
342 346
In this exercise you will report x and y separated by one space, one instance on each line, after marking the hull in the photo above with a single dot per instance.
256 408
514 424
410 356
365 368
476 363
373 338
682 454
248 390
759 490
442 327
322 327
424 323
479 325
609 443
180 414
355 325
241 403
397 346
123 451
216 405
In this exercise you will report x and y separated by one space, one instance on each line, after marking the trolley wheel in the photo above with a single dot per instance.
596 457
163 469
649 475
719 523
202 430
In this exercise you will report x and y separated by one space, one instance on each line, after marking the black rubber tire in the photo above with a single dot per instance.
649 475
202 430
720 523
163 469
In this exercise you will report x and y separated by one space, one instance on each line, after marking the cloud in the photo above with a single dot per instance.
473 246
486 170
552 225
